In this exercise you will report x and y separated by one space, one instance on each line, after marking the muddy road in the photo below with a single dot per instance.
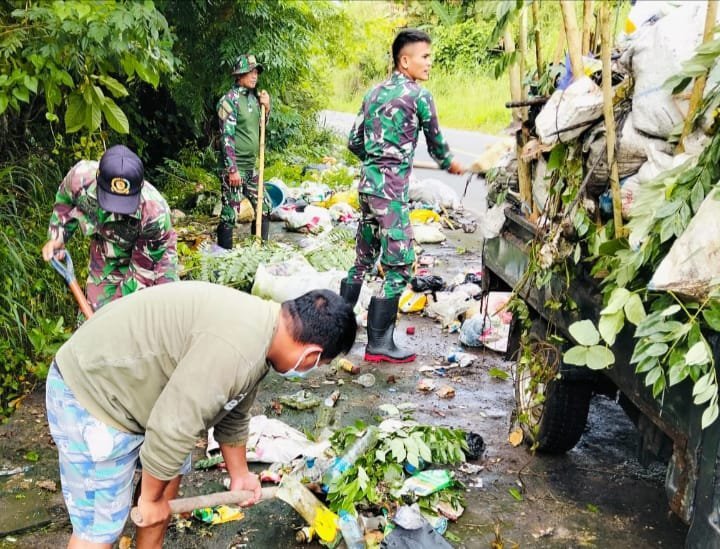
596 495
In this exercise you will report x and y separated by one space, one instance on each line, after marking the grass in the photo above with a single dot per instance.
464 100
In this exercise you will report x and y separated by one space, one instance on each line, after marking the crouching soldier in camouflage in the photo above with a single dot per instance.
239 115
384 137
133 244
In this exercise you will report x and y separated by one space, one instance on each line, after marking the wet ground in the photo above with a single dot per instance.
596 495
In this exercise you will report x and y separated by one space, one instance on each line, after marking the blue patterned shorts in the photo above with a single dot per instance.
97 464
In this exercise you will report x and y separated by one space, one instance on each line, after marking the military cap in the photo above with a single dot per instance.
245 63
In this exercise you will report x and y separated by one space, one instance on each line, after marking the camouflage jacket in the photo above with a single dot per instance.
239 116
385 135
127 252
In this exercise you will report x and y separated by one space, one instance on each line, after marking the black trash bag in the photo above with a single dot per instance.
427 283
476 446
473 278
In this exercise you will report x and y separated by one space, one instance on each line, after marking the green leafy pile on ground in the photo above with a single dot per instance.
374 481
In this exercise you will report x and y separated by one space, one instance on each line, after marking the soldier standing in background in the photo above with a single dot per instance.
239 116
133 244
384 137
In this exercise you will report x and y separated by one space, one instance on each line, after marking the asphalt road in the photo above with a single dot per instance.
466 146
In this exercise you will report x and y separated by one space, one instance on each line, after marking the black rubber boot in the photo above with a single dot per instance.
380 328
225 236
264 228
350 291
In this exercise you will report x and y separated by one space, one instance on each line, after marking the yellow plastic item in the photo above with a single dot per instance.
420 217
412 302
348 197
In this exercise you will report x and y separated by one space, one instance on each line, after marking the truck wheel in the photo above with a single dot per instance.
552 412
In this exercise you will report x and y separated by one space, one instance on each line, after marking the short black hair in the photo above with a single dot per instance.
324 318
405 37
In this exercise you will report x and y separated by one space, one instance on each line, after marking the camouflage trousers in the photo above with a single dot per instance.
385 232
232 197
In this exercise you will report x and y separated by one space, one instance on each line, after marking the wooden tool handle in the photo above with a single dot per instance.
82 301
261 177
186 505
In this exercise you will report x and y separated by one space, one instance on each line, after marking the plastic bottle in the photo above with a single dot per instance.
351 532
344 462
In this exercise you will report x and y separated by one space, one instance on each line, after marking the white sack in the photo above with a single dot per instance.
428 233
272 441
292 278
434 192
581 101
693 263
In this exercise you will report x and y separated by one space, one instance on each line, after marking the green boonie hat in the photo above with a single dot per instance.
245 63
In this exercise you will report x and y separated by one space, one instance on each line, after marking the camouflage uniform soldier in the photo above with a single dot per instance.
384 137
133 243
239 115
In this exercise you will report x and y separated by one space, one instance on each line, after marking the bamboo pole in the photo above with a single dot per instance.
587 24
699 85
524 171
536 27
261 175
606 46
574 38
522 59
513 73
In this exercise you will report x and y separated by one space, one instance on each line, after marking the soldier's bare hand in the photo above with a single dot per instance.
234 179
53 248
264 99
456 168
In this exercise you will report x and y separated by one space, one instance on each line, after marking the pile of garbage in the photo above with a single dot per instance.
648 115
370 484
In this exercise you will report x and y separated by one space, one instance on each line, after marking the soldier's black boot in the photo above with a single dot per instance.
380 329
264 228
350 291
225 235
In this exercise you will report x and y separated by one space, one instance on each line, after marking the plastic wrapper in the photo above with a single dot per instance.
427 482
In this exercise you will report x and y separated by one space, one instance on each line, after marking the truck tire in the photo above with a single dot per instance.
552 411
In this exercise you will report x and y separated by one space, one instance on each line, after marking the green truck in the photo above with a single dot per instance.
670 431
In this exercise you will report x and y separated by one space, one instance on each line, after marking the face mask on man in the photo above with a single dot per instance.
293 373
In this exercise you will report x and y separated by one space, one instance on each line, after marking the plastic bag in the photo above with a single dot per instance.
349 197
491 327
313 219
342 212
435 192
412 302
448 307
292 278
422 216
492 222
427 283
582 101
430 233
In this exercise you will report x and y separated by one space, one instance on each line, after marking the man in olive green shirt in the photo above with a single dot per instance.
239 116
147 375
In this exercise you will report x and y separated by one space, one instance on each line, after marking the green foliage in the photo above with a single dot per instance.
237 267
461 46
36 306
72 53
378 474
190 183
289 38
